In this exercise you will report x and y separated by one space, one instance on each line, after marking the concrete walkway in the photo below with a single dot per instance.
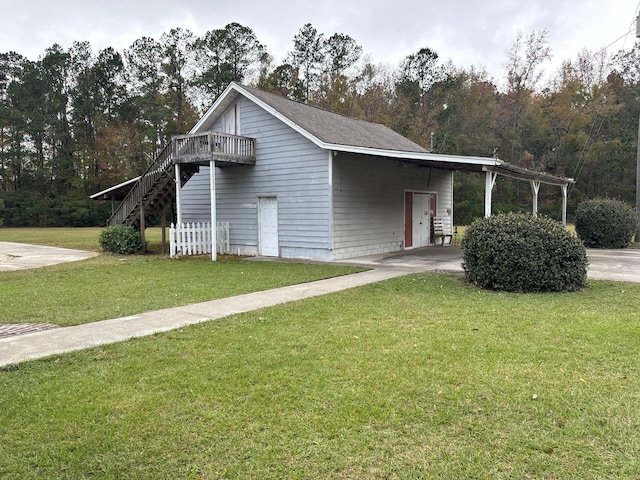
52 342
604 264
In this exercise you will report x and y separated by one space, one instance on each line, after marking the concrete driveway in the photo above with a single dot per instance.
621 265
20 256
433 259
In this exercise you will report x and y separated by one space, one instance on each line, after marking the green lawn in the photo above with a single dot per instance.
110 286
417 377
78 238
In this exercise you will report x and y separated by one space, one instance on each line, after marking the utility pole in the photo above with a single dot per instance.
638 157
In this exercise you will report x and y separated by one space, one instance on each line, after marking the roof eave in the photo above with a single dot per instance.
286 120
400 154
220 101
414 156
519 173
105 193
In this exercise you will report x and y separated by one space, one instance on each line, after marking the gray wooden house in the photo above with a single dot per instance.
296 181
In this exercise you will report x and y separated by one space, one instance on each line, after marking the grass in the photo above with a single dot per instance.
110 286
417 377
77 238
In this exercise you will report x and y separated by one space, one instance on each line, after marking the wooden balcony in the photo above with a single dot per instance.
225 149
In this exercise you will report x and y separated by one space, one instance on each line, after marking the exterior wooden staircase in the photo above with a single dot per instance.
156 188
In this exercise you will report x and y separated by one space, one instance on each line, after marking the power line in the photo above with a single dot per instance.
632 27
617 40
590 142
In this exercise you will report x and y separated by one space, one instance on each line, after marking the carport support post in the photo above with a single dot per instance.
564 204
490 182
178 211
535 188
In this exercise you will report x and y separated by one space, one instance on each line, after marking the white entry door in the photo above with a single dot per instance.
421 219
268 226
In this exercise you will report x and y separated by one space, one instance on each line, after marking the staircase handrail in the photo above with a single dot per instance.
159 166
181 146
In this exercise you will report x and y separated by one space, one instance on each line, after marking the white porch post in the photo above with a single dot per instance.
535 188
178 206
214 229
490 182
452 203
564 204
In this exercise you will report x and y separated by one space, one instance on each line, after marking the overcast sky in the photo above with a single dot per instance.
469 32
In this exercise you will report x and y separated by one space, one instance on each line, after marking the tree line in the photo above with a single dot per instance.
75 121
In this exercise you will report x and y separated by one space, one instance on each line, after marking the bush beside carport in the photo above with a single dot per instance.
522 253
605 223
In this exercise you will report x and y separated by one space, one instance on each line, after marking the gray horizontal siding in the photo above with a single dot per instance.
288 166
195 198
368 202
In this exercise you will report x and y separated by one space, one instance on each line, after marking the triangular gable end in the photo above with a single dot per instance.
227 98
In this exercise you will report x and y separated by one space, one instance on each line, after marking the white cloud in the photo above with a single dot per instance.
467 31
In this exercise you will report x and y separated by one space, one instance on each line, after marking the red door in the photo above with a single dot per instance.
408 219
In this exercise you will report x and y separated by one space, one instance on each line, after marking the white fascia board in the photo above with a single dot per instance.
221 99
281 117
485 161
115 187
238 88
432 157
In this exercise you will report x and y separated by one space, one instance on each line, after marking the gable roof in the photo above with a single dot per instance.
333 131
340 133
336 129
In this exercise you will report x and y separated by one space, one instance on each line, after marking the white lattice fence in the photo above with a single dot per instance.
195 239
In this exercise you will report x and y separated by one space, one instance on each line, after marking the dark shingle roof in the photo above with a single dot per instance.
335 129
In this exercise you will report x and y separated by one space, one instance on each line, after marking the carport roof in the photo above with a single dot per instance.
513 171
117 192
484 164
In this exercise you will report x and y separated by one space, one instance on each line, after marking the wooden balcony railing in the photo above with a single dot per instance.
208 146
200 148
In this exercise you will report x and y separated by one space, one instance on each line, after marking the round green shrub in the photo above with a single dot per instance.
121 239
605 223
518 252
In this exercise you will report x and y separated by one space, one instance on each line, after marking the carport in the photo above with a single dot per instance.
492 167
535 179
